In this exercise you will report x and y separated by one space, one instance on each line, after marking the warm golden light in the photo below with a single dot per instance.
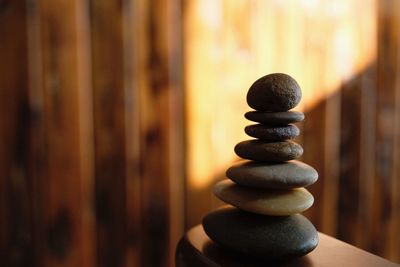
232 43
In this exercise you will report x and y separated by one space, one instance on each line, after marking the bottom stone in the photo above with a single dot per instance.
261 236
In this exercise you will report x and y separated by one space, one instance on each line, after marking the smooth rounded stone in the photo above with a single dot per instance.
285 175
259 150
274 92
260 236
272 133
275 117
264 201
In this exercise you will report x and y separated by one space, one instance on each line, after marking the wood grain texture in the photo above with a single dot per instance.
92 152
313 140
133 28
385 183
105 158
154 135
110 112
349 228
157 79
16 240
67 193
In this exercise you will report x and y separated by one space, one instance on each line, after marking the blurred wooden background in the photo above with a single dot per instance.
91 133
116 117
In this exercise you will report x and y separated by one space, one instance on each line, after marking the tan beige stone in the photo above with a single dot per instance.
264 201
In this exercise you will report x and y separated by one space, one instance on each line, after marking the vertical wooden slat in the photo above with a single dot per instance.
46 147
157 78
388 48
330 191
313 141
176 140
16 248
68 214
109 129
348 223
38 146
394 241
386 177
133 30
367 83
154 137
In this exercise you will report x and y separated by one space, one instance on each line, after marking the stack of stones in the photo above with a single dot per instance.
266 190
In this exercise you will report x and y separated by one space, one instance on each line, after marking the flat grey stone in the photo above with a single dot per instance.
284 175
279 118
272 133
261 236
268 151
274 92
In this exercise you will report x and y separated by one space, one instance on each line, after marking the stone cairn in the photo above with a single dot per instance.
266 190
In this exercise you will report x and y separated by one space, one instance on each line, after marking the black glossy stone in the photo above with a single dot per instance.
261 236
279 118
272 133
274 92
268 151
283 175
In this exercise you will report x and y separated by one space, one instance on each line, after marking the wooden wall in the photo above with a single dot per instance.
345 55
105 160
91 133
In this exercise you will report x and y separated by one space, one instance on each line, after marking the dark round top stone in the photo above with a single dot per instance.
275 117
284 175
272 133
259 150
274 92
261 236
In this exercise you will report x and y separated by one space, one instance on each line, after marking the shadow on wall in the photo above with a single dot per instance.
351 139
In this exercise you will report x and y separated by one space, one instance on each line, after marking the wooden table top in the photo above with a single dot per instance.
196 249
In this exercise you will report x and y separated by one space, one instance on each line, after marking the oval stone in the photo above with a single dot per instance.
272 133
285 175
264 201
275 117
274 92
259 150
260 236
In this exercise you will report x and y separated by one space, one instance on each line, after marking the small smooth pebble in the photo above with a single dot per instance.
266 151
285 175
274 92
272 133
264 201
260 236
275 117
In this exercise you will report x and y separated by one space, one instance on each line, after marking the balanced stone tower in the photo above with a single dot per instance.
266 190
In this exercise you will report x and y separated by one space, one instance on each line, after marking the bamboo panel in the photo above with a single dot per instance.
109 109
37 163
350 226
93 151
133 30
367 84
386 178
16 244
66 192
155 93
312 141
92 124
394 240
156 53
132 22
